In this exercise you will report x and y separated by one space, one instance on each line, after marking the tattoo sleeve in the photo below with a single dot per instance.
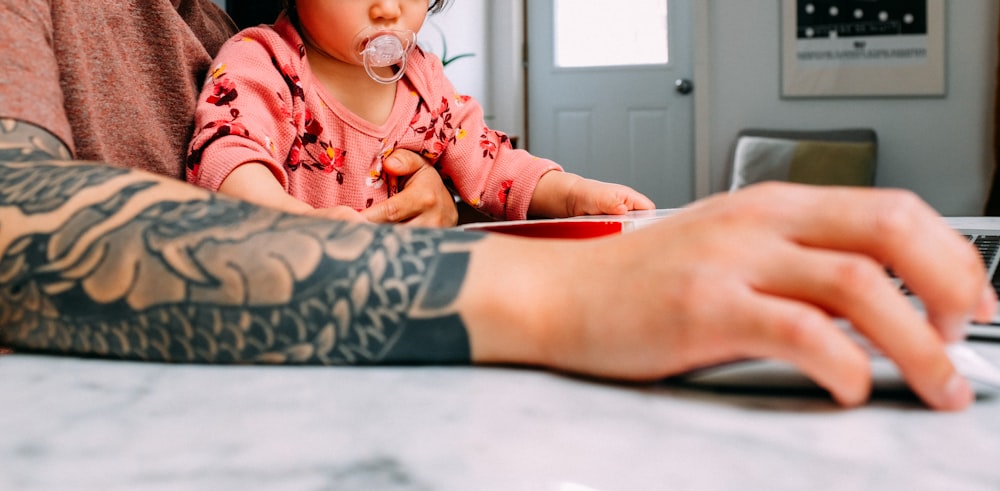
22 142
106 262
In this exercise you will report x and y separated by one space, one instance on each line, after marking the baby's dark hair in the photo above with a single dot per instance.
437 6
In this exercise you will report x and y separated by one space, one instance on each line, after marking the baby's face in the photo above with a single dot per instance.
333 25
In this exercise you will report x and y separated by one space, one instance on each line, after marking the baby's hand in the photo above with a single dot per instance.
590 197
562 194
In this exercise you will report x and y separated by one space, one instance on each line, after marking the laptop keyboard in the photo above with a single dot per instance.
988 246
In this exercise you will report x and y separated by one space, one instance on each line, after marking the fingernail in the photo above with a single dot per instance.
952 328
955 332
987 305
957 392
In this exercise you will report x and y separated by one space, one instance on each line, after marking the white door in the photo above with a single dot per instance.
608 92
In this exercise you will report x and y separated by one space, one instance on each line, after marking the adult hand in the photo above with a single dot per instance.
423 201
761 273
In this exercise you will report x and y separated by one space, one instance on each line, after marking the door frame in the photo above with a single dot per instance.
509 83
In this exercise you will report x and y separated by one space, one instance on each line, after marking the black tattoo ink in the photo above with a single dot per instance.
23 142
97 261
19 186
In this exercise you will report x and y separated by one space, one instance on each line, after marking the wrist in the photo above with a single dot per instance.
513 303
553 195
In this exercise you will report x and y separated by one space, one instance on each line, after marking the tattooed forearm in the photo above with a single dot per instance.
20 187
22 142
150 269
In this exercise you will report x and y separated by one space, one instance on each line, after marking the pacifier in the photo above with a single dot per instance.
378 48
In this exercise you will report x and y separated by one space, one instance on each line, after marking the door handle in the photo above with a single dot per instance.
683 86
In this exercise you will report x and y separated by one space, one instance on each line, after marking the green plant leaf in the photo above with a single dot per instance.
446 61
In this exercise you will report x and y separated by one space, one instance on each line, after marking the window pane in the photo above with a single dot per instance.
602 33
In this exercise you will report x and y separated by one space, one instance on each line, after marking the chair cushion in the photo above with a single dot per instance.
831 161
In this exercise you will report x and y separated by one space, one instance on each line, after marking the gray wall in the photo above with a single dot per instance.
940 147
466 28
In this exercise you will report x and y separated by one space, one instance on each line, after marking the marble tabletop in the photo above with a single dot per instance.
79 424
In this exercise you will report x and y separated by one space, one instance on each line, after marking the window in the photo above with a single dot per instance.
599 33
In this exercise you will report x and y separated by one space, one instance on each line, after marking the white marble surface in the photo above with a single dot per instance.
69 424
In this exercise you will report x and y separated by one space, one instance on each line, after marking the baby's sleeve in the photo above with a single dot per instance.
488 172
244 112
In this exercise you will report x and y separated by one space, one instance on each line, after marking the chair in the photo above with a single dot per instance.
845 157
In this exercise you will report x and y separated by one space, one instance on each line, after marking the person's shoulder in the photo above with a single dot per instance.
279 41
263 35
261 53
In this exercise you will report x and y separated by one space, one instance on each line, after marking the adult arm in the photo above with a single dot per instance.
101 261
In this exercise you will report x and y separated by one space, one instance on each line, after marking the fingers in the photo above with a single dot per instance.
416 208
856 288
425 201
401 207
809 339
445 216
889 234
638 201
896 229
403 163
621 200
987 305
835 245
597 197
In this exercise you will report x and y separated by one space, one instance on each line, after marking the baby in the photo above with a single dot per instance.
300 116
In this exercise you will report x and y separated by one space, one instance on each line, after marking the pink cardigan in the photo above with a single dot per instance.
261 103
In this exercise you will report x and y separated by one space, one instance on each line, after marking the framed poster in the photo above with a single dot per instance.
862 48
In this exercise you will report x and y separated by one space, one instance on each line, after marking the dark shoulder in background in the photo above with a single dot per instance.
249 13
